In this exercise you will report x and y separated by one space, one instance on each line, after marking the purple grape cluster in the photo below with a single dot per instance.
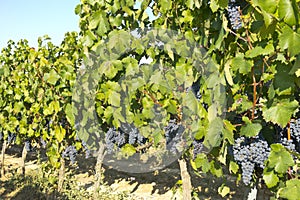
293 144
250 152
196 91
70 152
86 149
28 146
234 15
173 133
1 136
198 147
134 136
114 137
295 129
11 138
288 144
127 133
43 143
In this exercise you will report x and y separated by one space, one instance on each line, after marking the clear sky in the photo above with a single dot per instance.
29 19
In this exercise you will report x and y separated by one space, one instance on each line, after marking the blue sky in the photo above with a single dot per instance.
29 19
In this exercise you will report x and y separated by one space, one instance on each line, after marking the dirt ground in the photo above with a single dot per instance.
157 185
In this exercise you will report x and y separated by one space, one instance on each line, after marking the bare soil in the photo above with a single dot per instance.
163 184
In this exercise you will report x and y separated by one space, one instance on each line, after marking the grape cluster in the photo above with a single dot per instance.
11 138
70 152
293 143
173 133
43 143
234 15
28 146
63 122
113 137
288 144
250 152
127 133
198 147
196 91
1 136
86 149
295 129
133 133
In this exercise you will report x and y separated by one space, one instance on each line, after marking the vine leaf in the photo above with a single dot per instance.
213 136
258 50
251 129
287 12
279 158
60 133
281 112
290 40
296 67
51 77
292 189
69 114
269 6
270 179
241 64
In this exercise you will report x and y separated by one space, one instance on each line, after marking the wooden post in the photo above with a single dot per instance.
2 158
24 155
98 169
186 180
61 175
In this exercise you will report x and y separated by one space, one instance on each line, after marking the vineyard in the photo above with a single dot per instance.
206 91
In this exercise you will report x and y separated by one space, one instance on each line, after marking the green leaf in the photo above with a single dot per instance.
165 5
280 112
157 137
280 159
51 77
287 12
187 17
119 40
223 190
296 67
228 74
59 133
267 5
78 9
258 50
214 133
128 150
114 98
228 131
290 40
270 179
233 167
241 64
282 80
103 24
291 191
251 129
216 169
69 114
202 162
214 5
190 102
95 20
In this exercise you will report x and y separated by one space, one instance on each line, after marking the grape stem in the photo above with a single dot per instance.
145 146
